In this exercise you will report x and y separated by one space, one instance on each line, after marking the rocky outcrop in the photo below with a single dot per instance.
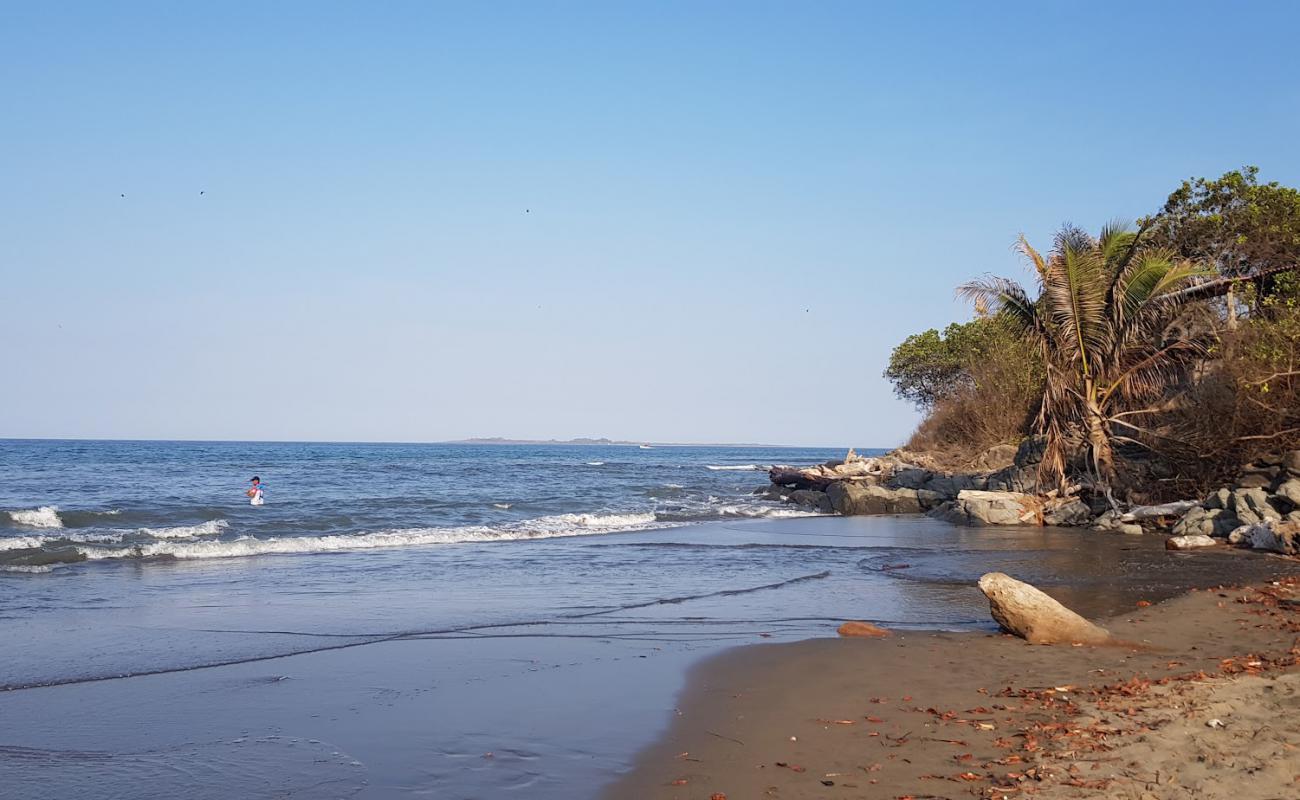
1066 511
1276 537
851 498
974 507
1025 611
1266 494
811 499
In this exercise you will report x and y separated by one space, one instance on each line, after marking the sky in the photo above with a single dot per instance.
668 221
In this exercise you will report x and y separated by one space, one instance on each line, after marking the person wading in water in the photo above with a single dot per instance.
255 492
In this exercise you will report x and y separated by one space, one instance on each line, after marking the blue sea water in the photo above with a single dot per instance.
68 501
449 621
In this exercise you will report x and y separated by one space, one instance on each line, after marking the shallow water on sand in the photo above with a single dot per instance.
532 668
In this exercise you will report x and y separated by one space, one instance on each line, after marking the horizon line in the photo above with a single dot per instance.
476 441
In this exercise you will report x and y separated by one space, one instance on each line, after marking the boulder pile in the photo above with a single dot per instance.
892 485
1262 511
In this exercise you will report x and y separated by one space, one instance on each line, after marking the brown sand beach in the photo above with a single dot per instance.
1203 702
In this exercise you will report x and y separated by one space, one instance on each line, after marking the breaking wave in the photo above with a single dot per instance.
43 517
736 467
541 528
210 540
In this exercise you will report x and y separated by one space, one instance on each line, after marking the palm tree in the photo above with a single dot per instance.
1101 322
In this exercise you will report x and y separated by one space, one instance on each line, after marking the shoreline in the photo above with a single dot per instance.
947 715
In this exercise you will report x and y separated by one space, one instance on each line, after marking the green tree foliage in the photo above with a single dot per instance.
1101 323
930 366
1242 228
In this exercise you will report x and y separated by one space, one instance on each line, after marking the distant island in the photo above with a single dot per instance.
604 441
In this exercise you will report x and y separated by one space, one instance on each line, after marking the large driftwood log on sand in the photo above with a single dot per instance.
1033 616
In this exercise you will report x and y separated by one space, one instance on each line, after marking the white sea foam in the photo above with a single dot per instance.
210 528
502 506
43 517
30 569
22 542
736 467
595 463
541 528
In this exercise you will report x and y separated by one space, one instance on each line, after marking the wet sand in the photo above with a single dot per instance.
1207 706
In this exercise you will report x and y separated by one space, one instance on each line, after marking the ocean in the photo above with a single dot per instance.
451 621
63 502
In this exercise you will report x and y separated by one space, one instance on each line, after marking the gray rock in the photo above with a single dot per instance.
1220 499
811 498
1014 479
1291 491
1030 452
852 499
996 457
950 485
998 508
910 478
1255 480
1197 521
1291 461
775 492
1071 512
1239 534
929 499
1131 528
1251 506
948 512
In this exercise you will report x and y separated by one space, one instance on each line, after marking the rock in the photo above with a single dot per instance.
1030 452
1131 528
1220 499
929 499
1254 480
1239 534
1279 537
910 478
947 511
948 486
775 492
850 499
811 498
1291 491
1188 542
1034 616
1198 521
1066 511
999 508
1251 506
864 630
1014 479
1291 461
996 457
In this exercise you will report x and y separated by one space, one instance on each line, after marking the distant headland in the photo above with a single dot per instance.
604 441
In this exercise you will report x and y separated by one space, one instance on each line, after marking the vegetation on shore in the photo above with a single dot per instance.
1152 361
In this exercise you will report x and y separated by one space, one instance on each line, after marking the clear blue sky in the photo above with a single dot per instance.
692 221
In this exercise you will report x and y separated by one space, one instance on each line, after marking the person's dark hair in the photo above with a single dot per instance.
254 478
